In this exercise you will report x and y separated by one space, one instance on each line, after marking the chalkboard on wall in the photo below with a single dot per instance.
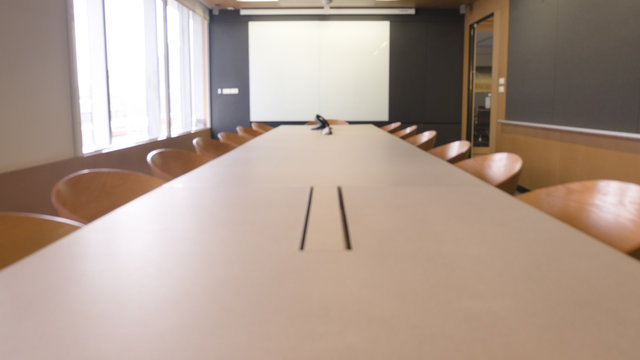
575 63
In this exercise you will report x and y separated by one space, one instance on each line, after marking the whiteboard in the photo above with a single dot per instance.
339 69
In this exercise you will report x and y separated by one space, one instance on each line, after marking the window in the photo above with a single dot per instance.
142 71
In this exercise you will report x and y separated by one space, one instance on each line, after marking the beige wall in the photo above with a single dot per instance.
550 156
35 92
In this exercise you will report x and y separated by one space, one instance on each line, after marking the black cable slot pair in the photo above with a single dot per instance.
306 219
345 227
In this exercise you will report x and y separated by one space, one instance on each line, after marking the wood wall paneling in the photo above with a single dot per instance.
553 157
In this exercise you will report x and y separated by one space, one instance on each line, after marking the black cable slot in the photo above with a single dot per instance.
306 220
345 227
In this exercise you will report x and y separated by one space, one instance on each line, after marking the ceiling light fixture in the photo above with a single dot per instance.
334 11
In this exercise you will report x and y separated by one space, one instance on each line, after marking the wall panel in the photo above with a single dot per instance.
575 63
424 76
35 88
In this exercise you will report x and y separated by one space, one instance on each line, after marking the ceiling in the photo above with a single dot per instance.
427 4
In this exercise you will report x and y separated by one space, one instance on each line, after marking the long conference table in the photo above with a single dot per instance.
302 246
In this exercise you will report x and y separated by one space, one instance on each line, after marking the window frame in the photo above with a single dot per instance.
202 15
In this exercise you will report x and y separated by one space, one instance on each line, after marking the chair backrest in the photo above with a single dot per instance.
423 140
88 194
391 127
501 170
210 147
453 151
247 132
22 234
330 121
232 139
263 128
406 132
168 164
608 210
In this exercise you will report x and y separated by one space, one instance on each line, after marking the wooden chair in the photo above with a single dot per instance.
391 127
501 170
406 132
608 210
424 141
88 194
168 164
22 234
210 147
232 139
330 121
249 133
453 151
263 128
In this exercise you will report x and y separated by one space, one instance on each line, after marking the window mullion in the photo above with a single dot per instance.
106 62
167 82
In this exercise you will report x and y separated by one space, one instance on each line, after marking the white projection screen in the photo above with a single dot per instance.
339 69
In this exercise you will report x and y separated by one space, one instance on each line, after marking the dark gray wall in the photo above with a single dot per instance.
575 63
425 75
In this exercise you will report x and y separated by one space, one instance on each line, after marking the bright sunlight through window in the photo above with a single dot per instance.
140 77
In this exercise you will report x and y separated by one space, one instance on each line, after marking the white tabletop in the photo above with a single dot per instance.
209 266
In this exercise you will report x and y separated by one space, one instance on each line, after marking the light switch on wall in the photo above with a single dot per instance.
230 91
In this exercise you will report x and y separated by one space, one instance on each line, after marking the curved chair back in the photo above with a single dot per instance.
391 127
453 151
423 140
22 234
232 139
263 128
501 170
249 133
210 147
330 121
88 194
608 210
406 132
168 164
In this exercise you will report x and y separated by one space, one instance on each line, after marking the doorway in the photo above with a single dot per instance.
480 85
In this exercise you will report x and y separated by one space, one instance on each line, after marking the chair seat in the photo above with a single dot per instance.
168 164
232 139
391 127
89 194
406 132
423 140
22 234
247 132
608 210
210 147
453 151
501 170
263 128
